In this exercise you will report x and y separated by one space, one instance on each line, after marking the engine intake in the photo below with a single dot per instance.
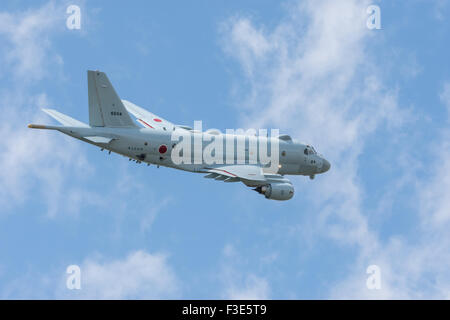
276 191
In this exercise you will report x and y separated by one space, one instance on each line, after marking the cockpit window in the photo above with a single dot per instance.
309 150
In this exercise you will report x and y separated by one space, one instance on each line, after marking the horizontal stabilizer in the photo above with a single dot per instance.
43 126
64 119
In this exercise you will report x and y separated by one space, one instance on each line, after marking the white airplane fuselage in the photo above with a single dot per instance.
143 145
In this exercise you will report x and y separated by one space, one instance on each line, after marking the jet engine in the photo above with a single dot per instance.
276 191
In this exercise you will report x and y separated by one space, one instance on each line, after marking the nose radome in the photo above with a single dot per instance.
326 166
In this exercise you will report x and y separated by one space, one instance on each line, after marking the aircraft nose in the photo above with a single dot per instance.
326 166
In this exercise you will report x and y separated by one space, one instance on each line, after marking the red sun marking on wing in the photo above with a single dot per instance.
157 120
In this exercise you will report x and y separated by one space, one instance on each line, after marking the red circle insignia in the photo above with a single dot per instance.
157 120
162 149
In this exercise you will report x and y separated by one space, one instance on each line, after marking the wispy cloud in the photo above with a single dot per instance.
318 82
140 275
34 162
26 41
238 284
414 268
440 7
252 288
314 75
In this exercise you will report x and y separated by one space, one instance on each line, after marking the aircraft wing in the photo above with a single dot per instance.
251 175
146 118
272 186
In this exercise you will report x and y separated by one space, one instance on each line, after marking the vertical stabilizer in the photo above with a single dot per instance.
105 107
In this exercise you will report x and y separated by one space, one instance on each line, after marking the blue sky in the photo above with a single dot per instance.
374 102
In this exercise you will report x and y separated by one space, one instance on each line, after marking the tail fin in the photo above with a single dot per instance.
63 119
105 107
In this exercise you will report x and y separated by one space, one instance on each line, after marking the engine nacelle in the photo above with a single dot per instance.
277 191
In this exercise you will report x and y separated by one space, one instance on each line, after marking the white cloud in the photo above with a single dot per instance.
318 82
435 194
36 162
253 288
250 43
314 75
139 276
240 285
26 41
142 205
46 167
36 165
415 268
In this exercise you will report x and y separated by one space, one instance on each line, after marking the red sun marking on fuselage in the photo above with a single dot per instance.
162 149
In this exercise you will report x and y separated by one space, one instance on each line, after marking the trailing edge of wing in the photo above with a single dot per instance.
240 172
64 119
211 175
220 177
248 174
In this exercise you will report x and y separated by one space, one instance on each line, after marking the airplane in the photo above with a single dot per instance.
112 128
